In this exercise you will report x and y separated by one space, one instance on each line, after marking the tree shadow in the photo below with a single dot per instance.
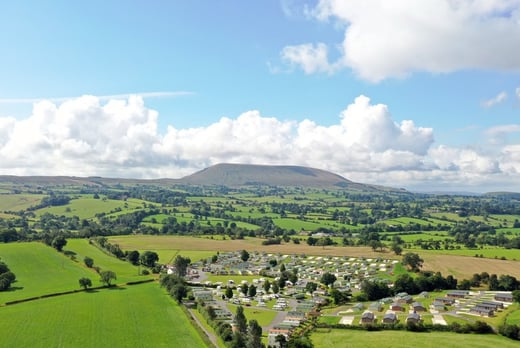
115 287
69 253
14 288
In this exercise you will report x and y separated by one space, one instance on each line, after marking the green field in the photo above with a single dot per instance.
40 270
87 208
134 316
400 339
124 270
16 202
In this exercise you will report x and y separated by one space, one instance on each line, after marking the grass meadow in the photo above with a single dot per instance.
134 316
405 339
16 202
40 270
124 270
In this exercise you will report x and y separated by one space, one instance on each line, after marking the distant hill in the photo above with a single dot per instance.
230 175
235 175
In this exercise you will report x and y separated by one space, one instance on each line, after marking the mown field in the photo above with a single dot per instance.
40 270
134 316
399 339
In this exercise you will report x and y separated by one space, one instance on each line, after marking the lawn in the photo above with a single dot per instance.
134 316
264 317
40 270
399 339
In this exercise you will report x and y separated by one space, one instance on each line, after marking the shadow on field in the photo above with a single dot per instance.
116 288
14 288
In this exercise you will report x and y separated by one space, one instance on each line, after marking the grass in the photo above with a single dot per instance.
16 202
40 270
87 208
123 269
134 316
399 339
264 317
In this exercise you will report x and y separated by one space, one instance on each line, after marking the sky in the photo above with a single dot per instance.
422 95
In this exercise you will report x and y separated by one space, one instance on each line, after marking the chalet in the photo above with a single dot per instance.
487 306
504 297
367 318
438 306
413 318
484 312
424 294
445 300
404 299
295 315
497 305
375 307
457 294
397 307
358 306
390 318
418 307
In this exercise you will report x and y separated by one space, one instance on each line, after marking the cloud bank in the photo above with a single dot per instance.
120 138
392 39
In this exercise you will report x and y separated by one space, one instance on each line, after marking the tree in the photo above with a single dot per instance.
240 320
85 283
89 262
229 292
328 278
133 257
340 297
516 296
300 342
413 261
311 287
267 285
181 265
251 292
244 255
58 243
244 288
149 258
178 292
275 288
107 277
254 335
281 340
397 249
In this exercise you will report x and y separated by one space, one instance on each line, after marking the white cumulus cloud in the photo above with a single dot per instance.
393 38
120 138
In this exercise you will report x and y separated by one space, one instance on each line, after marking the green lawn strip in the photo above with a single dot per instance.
124 270
264 317
514 315
133 316
208 328
40 270
398 339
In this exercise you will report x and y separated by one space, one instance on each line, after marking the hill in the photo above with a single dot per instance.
230 175
235 175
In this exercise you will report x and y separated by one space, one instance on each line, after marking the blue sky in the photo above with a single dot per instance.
391 92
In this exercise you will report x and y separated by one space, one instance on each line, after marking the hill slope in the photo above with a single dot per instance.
234 175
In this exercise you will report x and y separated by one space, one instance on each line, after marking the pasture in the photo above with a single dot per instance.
399 339
134 316
124 270
16 202
41 270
